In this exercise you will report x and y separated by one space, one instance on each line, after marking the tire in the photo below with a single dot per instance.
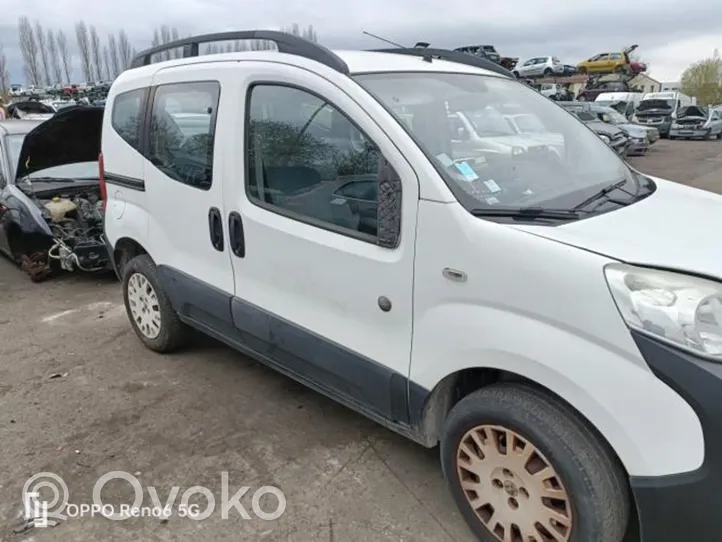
516 74
170 333
719 136
597 501
548 72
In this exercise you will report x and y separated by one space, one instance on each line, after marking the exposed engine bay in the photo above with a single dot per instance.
77 226
75 220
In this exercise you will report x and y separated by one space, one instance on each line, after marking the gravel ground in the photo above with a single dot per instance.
183 420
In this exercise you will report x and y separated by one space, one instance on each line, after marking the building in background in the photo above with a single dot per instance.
644 83
672 86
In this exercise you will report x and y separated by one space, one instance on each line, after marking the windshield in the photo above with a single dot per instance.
655 104
557 167
615 116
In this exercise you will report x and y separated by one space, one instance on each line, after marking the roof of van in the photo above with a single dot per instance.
357 61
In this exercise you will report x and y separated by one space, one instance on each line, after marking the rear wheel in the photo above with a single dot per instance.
548 72
522 467
149 310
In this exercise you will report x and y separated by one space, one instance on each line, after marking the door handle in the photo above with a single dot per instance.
236 234
215 226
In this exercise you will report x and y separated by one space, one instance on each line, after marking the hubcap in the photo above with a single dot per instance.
513 489
144 307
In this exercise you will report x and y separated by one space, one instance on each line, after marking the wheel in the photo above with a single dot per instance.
548 72
719 136
521 466
148 307
516 74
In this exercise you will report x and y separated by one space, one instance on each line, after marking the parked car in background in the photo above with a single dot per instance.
569 70
539 67
590 93
615 137
610 63
694 121
640 137
30 110
611 115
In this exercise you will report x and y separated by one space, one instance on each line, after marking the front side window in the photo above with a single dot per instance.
557 165
182 130
307 160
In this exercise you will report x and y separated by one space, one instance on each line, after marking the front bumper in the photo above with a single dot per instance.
683 507
637 147
686 132
662 127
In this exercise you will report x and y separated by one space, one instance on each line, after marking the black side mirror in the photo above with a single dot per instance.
389 206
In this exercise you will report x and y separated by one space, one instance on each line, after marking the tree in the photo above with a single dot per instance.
97 53
703 79
81 34
29 51
125 51
106 63
114 59
4 74
64 54
44 54
57 70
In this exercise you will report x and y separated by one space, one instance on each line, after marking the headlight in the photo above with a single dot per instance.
676 308
605 139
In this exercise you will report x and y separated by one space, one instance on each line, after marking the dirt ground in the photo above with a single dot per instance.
80 397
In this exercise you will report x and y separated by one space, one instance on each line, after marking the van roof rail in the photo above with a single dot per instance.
286 43
451 56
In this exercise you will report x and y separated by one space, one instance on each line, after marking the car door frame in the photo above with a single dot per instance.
271 329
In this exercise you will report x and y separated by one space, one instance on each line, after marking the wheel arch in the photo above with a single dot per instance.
125 250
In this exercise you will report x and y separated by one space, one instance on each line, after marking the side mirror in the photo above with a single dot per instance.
389 206
606 118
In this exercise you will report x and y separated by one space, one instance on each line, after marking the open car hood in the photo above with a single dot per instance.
71 136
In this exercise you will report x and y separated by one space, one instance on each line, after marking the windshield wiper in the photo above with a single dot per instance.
528 213
603 193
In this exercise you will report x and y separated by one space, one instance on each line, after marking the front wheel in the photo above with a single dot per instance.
149 310
522 466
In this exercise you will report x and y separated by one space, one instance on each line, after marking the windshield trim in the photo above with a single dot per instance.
466 200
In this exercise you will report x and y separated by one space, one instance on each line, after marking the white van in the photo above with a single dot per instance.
659 109
552 320
624 102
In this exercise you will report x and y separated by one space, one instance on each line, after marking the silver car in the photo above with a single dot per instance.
539 67
696 121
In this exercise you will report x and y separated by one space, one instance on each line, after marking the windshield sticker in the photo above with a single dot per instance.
491 185
491 201
444 159
466 171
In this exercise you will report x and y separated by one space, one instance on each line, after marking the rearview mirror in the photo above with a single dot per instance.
389 206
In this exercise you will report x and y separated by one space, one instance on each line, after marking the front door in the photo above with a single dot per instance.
184 186
315 292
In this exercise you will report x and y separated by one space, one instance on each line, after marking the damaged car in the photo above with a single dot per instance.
696 121
51 205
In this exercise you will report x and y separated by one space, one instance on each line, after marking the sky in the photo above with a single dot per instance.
671 34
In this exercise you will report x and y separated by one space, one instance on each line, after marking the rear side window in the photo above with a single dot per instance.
126 118
182 130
